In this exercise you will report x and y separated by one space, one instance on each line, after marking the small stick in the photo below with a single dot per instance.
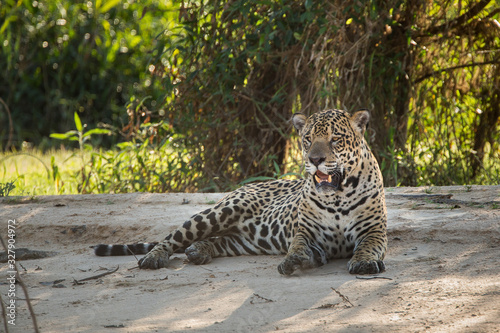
326 306
372 277
132 253
96 276
263 298
344 298
207 269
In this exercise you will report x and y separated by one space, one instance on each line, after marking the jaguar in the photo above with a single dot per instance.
336 211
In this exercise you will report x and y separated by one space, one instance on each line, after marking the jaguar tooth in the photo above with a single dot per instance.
329 178
318 180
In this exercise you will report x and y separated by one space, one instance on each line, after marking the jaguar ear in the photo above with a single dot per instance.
360 120
299 120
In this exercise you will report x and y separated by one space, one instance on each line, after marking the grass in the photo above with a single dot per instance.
127 168
33 172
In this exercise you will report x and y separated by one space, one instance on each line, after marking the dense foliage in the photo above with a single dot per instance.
59 57
207 87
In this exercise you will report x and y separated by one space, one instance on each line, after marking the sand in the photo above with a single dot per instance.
443 270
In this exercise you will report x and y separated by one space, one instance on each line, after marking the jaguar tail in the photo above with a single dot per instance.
122 250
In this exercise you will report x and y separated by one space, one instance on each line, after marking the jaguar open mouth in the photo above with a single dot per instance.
332 180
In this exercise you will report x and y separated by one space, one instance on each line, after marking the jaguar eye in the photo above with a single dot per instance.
307 140
335 140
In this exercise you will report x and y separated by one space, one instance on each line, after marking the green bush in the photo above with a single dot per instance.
92 57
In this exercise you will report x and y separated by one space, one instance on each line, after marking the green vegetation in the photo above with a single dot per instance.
92 57
197 94
33 172
5 189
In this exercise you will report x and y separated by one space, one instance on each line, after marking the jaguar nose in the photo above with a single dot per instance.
316 160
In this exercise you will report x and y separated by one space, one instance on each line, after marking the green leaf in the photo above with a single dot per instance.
55 168
106 25
78 123
276 168
6 23
64 136
99 131
108 5
59 136
125 145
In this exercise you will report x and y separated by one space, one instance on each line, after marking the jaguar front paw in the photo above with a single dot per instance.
366 266
155 259
293 261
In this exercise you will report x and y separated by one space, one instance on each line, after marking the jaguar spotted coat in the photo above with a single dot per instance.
337 211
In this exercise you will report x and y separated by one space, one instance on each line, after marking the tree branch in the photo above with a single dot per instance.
450 69
492 13
473 11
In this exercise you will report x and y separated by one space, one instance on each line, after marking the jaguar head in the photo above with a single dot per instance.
332 142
